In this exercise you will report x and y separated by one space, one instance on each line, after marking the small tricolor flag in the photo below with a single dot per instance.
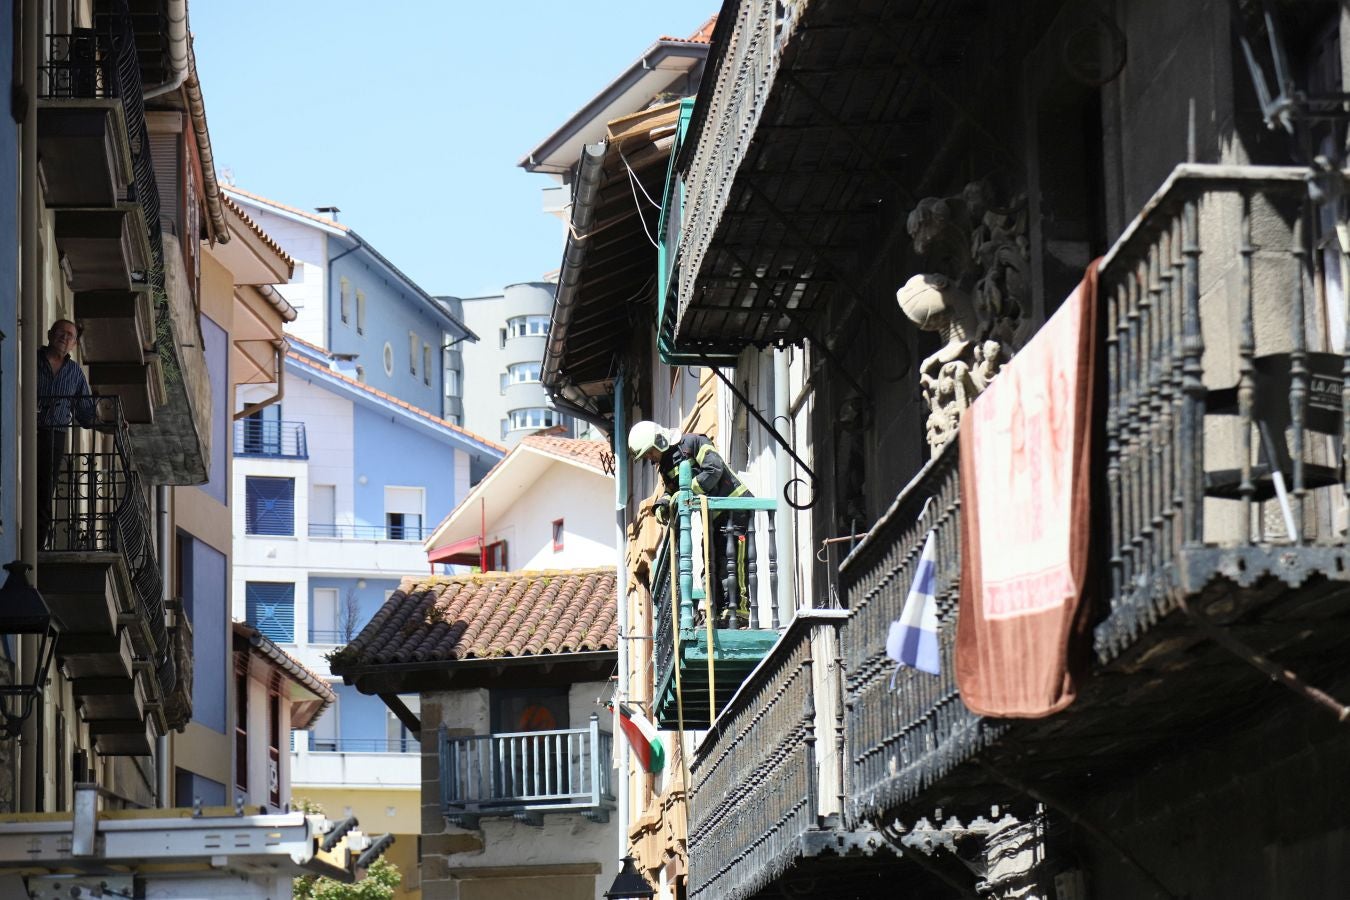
913 638
642 737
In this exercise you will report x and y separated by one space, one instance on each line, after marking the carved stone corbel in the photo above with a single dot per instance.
973 294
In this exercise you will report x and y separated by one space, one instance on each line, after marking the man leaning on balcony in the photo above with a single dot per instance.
711 477
63 400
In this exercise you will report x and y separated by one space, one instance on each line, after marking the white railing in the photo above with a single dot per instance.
528 772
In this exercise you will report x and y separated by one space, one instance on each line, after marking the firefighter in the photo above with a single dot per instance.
714 478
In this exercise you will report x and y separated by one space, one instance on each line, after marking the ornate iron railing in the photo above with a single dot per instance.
257 437
1225 431
568 770
904 736
741 86
755 790
102 63
98 505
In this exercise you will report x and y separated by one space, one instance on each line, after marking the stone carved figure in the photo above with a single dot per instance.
973 295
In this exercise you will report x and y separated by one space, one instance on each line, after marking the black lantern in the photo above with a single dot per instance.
23 611
629 885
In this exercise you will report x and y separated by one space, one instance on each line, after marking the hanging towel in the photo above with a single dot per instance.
1022 621
913 638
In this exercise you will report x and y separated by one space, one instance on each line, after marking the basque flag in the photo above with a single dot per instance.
642 737
913 638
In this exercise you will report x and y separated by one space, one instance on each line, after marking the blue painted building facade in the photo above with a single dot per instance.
331 508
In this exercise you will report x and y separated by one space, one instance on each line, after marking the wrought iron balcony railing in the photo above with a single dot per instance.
256 437
756 790
528 773
371 532
686 669
98 505
1227 386
89 64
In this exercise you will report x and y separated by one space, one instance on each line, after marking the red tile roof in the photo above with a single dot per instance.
702 36
592 454
388 398
489 616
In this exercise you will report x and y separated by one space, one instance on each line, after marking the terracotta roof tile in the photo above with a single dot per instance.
267 201
257 229
593 454
487 616
388 398
702 36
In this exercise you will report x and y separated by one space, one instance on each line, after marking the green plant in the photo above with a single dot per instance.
381 882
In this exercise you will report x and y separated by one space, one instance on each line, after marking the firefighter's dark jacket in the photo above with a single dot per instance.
712 476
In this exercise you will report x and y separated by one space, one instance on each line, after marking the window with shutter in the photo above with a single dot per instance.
270 607
269 505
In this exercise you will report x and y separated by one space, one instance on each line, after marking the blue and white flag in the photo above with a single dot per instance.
913 638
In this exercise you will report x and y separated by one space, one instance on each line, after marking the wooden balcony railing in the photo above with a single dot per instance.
696 673
755 777
1227 386
526 774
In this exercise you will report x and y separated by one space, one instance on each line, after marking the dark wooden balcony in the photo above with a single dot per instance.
768 784
102 583
692 683
117 326
527 774
1222 562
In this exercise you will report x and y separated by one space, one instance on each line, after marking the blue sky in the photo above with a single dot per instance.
412 119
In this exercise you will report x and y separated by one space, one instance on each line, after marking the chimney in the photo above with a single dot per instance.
328 212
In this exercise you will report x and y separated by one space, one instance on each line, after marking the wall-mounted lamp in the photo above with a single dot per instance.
23 611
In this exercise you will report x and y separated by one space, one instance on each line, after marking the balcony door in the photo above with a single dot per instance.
262 431
531 766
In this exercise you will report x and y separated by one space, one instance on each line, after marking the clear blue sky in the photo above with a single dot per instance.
410 115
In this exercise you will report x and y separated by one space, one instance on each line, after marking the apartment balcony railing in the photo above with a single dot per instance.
92 65
1226 390
284 440
692 682
528 774
318 744
103 582
371 532
756 777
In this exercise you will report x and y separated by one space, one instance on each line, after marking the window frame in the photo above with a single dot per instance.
559 533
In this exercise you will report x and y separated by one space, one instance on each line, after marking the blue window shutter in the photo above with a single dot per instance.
270 608
269 505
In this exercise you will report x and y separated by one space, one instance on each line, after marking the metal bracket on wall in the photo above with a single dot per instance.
789 495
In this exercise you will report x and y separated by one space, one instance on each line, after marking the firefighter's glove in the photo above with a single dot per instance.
662 510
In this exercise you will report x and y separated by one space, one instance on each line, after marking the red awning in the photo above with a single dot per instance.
468 552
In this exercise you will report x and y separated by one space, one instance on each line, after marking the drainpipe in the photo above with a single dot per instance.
250 408
784 537
621 591
178 50
30 338
162 768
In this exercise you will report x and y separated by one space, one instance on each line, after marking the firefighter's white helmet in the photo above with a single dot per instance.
645 436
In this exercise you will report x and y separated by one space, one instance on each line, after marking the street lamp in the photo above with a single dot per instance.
23 611
629 885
